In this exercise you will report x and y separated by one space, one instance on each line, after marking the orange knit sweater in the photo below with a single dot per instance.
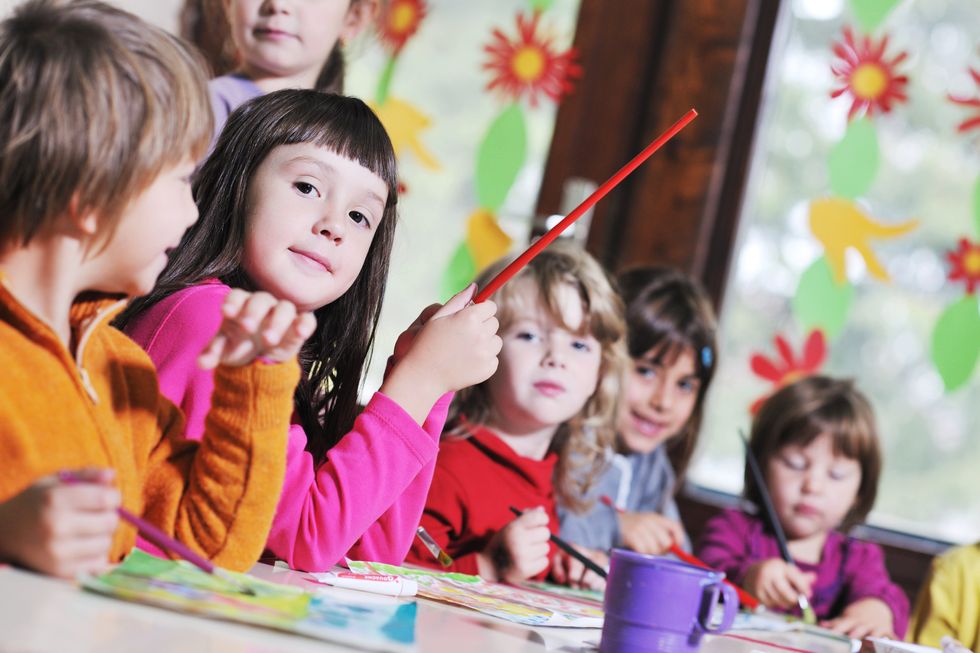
102 407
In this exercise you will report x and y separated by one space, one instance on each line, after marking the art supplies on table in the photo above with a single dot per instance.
375 583
790 633
380 623
881 645
511 603
433 547
577 593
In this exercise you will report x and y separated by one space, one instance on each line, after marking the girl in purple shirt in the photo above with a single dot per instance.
817 445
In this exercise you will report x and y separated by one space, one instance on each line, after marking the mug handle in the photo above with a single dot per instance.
712 594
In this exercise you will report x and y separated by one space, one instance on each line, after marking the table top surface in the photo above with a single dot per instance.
39 614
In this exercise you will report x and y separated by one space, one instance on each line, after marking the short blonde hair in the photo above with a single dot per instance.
94 105
580 442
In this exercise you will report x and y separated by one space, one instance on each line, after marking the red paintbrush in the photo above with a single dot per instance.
744 597
589 202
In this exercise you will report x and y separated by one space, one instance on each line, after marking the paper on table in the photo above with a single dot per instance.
179 586
531 608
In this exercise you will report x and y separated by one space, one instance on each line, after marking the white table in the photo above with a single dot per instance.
39 614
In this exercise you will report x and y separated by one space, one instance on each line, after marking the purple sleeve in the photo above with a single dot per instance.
371 488
725 544
866 577
174 332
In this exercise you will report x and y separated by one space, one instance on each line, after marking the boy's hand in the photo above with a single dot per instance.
649 532
864 618
520 549
62 528
566 570
778 584
256 325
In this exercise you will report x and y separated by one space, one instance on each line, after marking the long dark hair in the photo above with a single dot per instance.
666 312
333 359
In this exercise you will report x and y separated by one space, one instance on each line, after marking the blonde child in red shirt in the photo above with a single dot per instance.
515 438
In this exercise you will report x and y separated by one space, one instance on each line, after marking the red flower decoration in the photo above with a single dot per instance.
529 64
872 82
974 102
966 264
399 21
787 368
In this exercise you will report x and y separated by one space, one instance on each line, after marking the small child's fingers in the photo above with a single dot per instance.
212 354
276 323
801 581
457 302
479 313
299 331
252 315
234 301
100 475
90 497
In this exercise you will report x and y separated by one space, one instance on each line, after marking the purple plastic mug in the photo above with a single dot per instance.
660 604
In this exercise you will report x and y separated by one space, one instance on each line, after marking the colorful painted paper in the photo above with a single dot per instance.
839 224
182 587
820 302
488 241
460 272
854 160
871 81
871 13
973 102
956 342
501 156
531 608
788 367
976 206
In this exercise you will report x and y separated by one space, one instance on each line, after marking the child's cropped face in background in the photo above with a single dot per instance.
152 223
546 371
287 37
312 217
812 487
660 396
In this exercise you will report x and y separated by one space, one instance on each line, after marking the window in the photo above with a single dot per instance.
806 153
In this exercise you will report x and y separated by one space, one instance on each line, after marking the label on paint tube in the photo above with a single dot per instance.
376 583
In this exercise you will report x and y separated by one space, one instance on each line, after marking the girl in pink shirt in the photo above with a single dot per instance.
298 199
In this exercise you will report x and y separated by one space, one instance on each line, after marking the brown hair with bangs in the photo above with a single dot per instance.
667 311
798 413
333 358
94 105
581 441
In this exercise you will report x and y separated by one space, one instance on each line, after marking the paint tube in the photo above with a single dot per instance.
375 583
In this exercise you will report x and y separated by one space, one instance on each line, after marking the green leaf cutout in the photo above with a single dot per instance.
541 5
956 342
501 156
854 161
459 273
870 13
820 303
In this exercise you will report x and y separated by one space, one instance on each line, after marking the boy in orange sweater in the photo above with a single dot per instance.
101 120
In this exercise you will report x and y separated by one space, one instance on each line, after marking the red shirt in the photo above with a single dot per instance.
477 480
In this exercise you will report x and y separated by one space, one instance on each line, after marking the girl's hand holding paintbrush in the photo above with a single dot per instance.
566 570
778 583
519 550
62 528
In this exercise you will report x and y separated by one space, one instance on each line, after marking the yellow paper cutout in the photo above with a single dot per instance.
404 123
486 240
839 224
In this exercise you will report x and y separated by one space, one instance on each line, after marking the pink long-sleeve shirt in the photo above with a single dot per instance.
364 501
